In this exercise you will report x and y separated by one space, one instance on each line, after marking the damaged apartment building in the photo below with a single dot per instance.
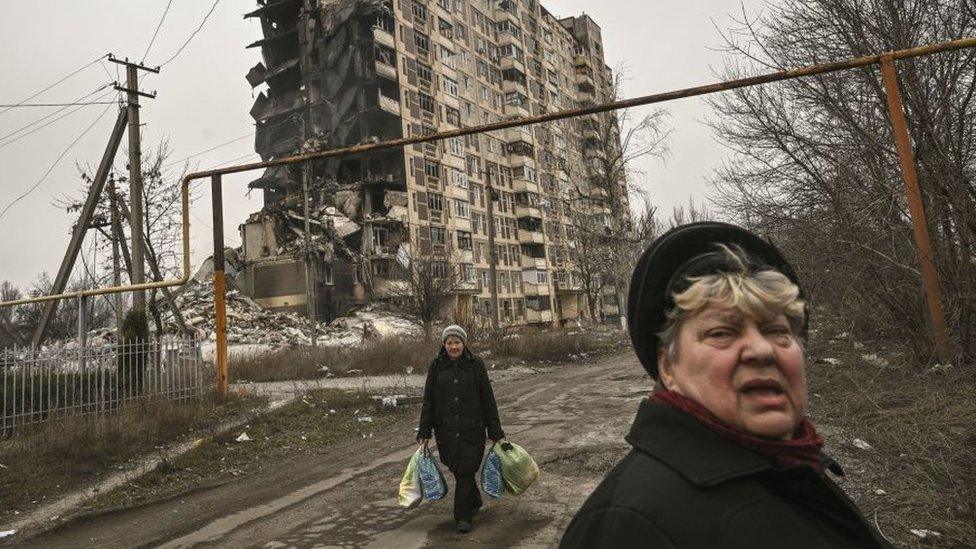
346 72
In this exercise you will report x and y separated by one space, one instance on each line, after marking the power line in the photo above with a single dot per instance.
76 71
194 33
41 127
215 147
156 33
49 115
21 105
56 162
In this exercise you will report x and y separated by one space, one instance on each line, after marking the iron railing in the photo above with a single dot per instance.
39 385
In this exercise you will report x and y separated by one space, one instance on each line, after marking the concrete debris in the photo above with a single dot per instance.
862 445
243 437
831 361
875 360
925 534
364 419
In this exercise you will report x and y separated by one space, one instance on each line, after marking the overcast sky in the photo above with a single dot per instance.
204 101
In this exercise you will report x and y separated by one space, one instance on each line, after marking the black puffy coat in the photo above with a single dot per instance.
684 485
459 406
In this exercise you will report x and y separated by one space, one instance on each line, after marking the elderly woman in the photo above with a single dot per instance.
723 453
459 406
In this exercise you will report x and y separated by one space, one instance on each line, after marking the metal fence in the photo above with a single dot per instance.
43 384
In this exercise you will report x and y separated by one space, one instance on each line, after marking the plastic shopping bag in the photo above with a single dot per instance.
491 475
431 480
410 494
519 470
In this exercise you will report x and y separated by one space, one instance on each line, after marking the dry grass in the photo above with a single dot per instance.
392 355
308 425
401 355
921 426
64 455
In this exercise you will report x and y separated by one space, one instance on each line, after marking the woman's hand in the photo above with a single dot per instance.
423 441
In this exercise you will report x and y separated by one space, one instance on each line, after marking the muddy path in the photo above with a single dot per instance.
571 418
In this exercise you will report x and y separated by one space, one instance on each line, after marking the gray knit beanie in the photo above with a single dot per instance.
456 331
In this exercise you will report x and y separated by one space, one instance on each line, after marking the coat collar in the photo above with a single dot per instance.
693 450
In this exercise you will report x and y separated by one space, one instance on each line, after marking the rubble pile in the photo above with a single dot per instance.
249 323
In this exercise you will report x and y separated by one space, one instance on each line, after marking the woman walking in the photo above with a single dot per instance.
723 452
459 407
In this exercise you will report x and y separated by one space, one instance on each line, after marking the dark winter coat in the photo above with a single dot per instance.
684 485
459 406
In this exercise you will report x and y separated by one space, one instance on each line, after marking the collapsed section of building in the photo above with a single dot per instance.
337 232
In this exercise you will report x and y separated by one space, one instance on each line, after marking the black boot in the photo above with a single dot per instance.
464 527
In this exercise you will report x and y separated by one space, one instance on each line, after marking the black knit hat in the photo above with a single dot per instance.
682 252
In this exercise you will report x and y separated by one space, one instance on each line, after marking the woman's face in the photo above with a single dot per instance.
749 373
454 346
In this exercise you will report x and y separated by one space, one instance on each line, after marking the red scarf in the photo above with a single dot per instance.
802 450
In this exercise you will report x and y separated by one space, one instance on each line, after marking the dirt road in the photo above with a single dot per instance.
571 418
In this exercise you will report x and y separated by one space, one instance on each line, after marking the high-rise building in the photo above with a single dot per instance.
356 71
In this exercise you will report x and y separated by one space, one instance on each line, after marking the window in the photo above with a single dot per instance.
421 40
459 179
452 116
450 86
462 209
424 72
380 234
419 10
427 102
435 202
468 273
438 235
448 58
464 240
445 27
432 168
456 146
516 99
440 269
542 277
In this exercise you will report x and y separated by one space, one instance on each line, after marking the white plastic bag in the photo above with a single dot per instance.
410 494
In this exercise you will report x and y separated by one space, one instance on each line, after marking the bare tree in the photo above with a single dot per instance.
815 165
425 284
608 235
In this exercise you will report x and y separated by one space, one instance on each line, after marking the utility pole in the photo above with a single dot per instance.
491 249
307 38
138 274
116 266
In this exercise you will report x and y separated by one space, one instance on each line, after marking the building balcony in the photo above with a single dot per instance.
520 133
584 80
512 63
534 262
581 59
527 211
533 316
469 287
389 104
461 224
465 256
384 38
535 289
525 186
514 86
530 237
386 71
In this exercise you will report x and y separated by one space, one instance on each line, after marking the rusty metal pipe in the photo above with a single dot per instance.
604 107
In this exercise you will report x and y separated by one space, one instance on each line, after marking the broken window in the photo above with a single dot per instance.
452 116
440 269
435 201
468 273
464 241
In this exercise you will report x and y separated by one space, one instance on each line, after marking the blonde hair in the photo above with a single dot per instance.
760 294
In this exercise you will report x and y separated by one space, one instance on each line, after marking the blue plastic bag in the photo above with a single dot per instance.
432 483
491 475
